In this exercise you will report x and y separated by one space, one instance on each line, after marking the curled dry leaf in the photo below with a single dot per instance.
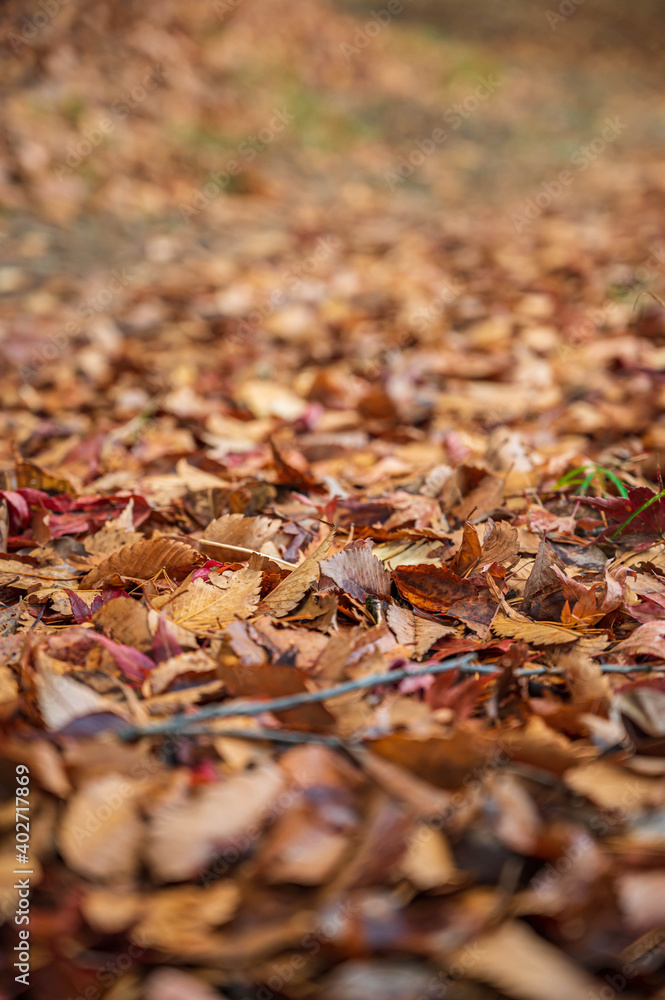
144 561
542 972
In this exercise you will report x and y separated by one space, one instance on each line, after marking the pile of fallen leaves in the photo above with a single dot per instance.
226 778
332 571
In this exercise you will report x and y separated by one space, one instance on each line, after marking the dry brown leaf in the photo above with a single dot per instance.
500 544
224 552
194 662
24 575
609 786
642 899
62 700
428 862
291 591
168 983
538 633
302 849
101 833
422 799
523 965
245 532
211 605
144 560
9 692
543 597
414 633
126 621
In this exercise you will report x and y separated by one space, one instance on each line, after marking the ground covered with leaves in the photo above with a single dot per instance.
332 570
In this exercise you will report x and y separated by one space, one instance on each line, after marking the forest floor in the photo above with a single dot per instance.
332 348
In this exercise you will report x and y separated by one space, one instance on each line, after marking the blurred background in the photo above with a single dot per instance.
207 146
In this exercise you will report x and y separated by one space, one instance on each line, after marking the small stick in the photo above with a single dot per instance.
277 736
291 701
187 723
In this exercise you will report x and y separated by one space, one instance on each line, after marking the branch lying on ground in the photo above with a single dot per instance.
187 723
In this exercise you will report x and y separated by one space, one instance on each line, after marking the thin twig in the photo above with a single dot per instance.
277 736
188 723
291 701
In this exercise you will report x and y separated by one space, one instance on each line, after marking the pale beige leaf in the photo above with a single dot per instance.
521 964
205 605
61 700
101 832
291 591
144 560
189 827
247 532
539 633
428 862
